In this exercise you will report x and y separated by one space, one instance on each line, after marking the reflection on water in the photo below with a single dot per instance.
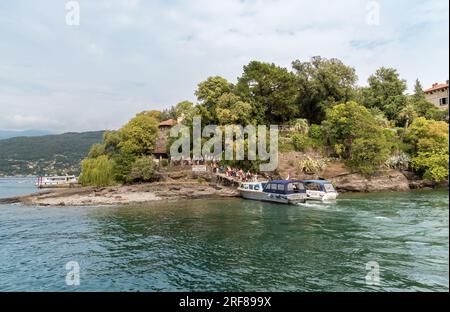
231 245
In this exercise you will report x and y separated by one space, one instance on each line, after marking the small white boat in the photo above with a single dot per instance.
321 190
56 181
278 191
251 190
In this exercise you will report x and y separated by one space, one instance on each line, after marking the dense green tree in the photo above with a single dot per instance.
138 136
123 163
169 113
208 94
419 94
184 109
111 140
422 107
430 148
155 114
369 153
356 136
386 92
271 90
321 84
232 110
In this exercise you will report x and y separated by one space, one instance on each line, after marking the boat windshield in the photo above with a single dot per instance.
295 187
313 187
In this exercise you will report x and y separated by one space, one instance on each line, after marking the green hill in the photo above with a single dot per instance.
6 134
49 154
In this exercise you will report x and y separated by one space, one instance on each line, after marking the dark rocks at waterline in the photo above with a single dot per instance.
427 185
389 181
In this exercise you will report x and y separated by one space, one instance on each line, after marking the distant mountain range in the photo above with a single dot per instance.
6 134
46 155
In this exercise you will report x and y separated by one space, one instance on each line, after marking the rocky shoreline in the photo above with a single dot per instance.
123 195
174 188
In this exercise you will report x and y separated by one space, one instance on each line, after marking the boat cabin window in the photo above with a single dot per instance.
313 187
257 188
295 187
272 187
329 187
250 186
280 187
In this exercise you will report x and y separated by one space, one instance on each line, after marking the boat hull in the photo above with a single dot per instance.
274 198
63 185
321 196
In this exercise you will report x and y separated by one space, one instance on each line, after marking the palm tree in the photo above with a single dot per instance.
408 114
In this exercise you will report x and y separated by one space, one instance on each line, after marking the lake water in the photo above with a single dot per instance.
228 245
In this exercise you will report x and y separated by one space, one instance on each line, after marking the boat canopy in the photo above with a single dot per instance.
321 182
284 187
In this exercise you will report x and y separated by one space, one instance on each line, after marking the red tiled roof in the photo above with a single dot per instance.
436 86
168 122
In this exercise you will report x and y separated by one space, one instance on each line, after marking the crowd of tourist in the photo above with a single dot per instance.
217 168
241 175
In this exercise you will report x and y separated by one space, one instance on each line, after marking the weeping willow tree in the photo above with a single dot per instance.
97 172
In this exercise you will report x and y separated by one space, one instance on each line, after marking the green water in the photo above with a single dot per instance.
230 245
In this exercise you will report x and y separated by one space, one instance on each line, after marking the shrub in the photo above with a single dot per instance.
142 170
311 165
400 161
368 154
201 180
300 141
285 145
315 132
300 125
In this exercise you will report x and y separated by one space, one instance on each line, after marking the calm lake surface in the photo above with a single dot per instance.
228 245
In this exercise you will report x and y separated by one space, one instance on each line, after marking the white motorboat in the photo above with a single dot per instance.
321 190
278 191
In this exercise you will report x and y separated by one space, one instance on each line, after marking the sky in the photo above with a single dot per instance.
126 56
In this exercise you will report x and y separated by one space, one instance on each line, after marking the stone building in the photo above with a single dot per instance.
160 151
438 95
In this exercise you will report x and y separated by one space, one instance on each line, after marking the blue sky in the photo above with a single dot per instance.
130 55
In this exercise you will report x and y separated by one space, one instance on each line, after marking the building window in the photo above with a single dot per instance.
443 101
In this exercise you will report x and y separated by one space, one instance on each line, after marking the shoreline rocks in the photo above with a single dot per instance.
123 195
386 181
390 181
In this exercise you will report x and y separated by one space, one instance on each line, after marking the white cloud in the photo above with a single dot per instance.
127 56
